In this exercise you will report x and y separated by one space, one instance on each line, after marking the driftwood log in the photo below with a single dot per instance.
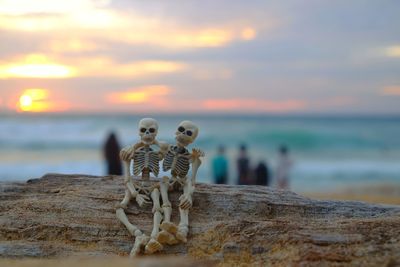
73 215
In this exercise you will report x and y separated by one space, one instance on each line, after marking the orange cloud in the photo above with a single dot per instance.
248 34
41 66
35 66
139 95
253 105
391 90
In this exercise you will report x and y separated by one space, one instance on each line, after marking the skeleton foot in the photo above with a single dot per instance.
169 227
153 246
182 233
165 237
140 242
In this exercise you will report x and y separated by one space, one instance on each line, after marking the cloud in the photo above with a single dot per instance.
248 34
82 22
72 45
34 66
393 90
392 51
106 67
212 73
21 7
42 66
256 105
143 94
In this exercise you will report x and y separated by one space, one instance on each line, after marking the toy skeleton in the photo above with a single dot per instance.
178 160
145 161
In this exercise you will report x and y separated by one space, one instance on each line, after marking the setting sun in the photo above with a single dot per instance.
33 100
25 102
38 100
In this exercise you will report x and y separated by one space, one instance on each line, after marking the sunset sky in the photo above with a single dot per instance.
200 56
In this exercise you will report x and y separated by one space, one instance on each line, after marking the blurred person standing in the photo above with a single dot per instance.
261 174
220 166
111 151
283 168
243 163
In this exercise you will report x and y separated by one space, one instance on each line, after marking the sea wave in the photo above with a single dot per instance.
327 151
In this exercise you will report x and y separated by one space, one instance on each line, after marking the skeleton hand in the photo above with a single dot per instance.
197 153
142 199
186 201
163 147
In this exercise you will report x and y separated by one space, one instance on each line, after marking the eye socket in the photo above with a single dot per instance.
189 133
181 129
152 130
143 130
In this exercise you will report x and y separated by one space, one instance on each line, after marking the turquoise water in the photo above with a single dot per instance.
329 152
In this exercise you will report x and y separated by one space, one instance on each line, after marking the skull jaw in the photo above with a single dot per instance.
182 140
147 140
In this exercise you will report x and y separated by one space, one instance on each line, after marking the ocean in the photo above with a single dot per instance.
329 152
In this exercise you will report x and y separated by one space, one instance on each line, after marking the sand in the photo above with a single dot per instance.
379 193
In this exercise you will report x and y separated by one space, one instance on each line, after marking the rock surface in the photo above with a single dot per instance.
73 215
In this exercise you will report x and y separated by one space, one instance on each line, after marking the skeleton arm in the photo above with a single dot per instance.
196 162
186 199
126 153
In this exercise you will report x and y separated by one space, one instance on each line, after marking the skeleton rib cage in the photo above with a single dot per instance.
146 158
177 160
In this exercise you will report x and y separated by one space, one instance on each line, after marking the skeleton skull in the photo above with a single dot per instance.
148 129
186 133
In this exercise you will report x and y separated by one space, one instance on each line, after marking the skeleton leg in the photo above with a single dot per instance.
183 227
167 208
140 238
122 216
153 245
166 236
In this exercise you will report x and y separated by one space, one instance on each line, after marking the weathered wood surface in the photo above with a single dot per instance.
73 215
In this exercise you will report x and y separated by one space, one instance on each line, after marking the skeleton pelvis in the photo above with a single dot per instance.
175 187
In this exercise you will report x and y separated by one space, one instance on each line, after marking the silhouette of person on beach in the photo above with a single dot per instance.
111 154
243 166
283 168
261 173
220 166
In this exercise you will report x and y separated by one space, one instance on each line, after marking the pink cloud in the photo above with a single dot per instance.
339 101
251 104
391 90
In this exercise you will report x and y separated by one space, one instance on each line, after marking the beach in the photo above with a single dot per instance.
381 194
